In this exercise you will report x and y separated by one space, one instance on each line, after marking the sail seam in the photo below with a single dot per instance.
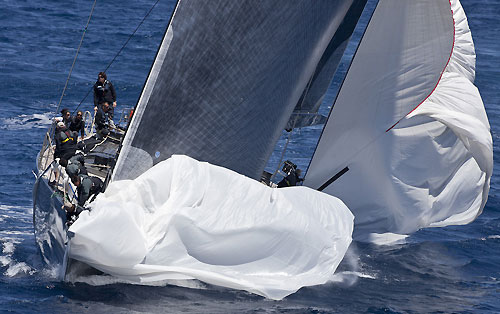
440 76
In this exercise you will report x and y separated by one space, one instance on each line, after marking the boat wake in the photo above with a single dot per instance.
11 239
353 271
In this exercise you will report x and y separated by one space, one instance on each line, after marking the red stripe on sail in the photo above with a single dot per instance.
449 58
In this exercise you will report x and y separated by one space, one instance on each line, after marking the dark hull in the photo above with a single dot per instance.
49 217
49 221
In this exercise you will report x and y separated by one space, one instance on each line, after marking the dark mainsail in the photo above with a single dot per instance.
226 79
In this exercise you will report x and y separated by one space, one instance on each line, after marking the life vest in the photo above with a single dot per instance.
68 137
104 87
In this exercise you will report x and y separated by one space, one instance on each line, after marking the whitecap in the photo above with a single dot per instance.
5 260
8 247
24 121
19 268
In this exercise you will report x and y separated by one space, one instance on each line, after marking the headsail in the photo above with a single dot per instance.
225 81
408 123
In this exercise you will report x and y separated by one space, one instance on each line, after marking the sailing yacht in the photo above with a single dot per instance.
406 145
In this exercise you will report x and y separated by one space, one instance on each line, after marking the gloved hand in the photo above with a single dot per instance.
68 206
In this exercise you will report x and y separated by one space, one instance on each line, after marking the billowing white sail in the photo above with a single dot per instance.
185 219
408 124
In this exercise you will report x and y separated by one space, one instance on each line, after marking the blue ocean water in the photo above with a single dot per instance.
442 270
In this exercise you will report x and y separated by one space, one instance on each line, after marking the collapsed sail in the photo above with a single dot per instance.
408 124
176 221
226 79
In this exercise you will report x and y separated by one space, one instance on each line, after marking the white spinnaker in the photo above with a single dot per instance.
184 219
409 124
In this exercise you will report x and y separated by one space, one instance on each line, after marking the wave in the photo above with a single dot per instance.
25 122
102 280
14 268
495 236
11 237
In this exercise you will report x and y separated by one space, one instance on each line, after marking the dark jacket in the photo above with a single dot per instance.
104 92
76 165
77 159
102 119
77 125
290 180
88 186
65 143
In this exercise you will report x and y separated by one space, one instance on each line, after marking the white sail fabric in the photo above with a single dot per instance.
409 124
185 219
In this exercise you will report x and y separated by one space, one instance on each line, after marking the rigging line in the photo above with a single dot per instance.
76 55
293 125
119 51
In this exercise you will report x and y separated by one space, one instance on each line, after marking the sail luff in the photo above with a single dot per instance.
145 94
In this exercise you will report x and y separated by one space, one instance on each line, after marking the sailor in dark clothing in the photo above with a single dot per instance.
77 124
104 91
66 116
86 187
75 165
291 179
65 142
102 120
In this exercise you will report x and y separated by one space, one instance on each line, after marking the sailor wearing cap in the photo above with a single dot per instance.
65 141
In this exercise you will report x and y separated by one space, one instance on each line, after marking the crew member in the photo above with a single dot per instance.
104 91
75 165
86 187
291 179
66 116
65 142
77 124
102 120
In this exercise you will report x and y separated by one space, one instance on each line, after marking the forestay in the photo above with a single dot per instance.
226 79
408 123
185 219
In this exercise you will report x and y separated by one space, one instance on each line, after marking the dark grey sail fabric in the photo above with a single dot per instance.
315 90
226 79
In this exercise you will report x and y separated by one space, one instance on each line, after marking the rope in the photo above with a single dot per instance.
283 152
293 126
76 55
119 51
